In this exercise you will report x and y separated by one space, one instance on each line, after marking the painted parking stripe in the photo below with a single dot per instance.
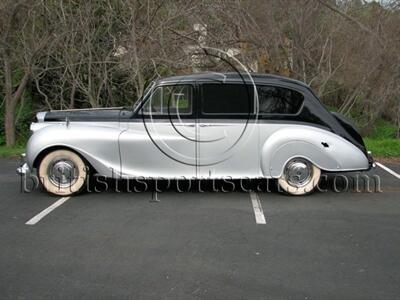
258 211
388 170
48 210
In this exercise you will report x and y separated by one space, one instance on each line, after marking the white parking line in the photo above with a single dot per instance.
45 212
258 211
388 170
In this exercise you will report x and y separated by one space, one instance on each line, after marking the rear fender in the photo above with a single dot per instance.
326 150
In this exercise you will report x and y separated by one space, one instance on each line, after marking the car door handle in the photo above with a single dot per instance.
213 125
184 125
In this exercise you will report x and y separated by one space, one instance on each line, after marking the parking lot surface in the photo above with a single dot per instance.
200 245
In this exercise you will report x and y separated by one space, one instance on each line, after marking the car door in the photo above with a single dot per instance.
227 131
160 142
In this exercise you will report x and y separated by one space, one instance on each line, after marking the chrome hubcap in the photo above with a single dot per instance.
63 173
298 172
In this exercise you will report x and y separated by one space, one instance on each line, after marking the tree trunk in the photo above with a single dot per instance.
11 100
72 97
9 122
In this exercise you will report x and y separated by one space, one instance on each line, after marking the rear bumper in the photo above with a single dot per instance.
371 161
23 169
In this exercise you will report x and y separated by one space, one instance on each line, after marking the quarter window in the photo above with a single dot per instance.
278 100
170 100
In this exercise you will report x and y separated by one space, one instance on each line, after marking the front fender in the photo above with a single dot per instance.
326 150
97 144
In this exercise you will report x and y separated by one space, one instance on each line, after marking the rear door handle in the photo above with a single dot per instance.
214 125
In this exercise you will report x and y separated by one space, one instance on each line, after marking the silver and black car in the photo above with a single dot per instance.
207 126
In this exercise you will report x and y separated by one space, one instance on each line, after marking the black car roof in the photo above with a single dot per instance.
231 78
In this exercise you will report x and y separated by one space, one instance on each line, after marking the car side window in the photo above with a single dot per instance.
227 99
169 100
278 100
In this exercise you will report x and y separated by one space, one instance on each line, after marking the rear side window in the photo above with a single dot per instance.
232 99
278 100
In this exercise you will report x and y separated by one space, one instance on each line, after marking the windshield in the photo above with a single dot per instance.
146 91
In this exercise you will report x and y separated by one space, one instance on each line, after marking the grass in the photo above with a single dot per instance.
383 130
11 151
381 141
383 147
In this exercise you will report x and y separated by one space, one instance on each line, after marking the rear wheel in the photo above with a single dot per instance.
300 177
63 172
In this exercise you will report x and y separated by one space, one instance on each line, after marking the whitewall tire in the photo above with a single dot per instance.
300 177
63 173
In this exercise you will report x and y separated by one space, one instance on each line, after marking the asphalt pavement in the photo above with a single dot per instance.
201 245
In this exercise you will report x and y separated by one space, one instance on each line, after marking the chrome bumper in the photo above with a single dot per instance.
24 168
371 161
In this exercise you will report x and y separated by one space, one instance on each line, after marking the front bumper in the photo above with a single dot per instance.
23 169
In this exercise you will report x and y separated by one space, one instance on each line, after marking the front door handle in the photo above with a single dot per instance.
184 125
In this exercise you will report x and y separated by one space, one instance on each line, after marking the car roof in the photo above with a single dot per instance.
231 77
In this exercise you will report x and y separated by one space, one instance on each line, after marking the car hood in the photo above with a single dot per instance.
81 115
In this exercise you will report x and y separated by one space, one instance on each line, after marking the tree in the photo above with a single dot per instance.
23 34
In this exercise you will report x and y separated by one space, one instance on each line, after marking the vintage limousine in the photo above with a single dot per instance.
207 126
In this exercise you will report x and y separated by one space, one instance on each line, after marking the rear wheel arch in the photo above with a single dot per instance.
274 159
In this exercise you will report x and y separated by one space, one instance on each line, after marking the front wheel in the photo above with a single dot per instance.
300 177
63 172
